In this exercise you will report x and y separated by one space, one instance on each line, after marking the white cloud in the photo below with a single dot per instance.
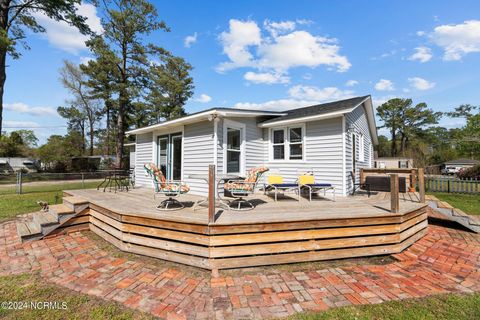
420 83
24 108
14 125
189 40
301 48
351 83
420 33
66 37
457 40
236 41
384 85
299 96
286 48
204 98
318 94
276 28
422 54
85 60
265 77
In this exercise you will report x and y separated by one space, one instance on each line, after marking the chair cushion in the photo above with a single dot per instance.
237 187
274 179
306 179
254 174
174 188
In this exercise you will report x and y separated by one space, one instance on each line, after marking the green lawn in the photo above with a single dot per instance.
12 204
451 306
468 203
27 288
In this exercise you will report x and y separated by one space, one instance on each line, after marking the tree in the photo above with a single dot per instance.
57 153
28 137
122 44
76 122
17 16
75 81
463 111
171 86
405 121
11 145
415 119
390 114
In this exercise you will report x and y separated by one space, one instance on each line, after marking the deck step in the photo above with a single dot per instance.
34 228
22 229
44 219
453 214
59 210
75 203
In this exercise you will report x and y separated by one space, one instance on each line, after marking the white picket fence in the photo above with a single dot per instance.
452 185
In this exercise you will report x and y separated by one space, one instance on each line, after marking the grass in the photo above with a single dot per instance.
451 306
468 203
12 204
28 287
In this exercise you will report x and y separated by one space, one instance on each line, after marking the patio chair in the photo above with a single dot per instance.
239 189
307 181
275 183
361 185
169 188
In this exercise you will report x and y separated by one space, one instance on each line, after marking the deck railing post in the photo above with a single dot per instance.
413 179
211 193
394 193
421 184
362 176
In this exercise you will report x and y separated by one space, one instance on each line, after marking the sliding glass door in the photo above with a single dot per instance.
169 155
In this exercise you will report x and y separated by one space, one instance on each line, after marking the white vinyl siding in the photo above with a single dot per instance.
143 155
197 154
323 154
356 123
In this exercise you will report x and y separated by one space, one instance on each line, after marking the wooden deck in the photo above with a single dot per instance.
274 232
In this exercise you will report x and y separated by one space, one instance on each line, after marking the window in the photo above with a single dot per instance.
295 140
279 144
233 150
403 164
287 143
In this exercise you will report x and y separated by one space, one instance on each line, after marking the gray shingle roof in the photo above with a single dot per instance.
462 161
319 109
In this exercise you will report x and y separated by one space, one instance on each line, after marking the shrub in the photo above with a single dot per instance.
470 173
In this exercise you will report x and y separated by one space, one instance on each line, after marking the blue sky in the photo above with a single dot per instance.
279 55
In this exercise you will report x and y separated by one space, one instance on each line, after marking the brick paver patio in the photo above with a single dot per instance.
446 260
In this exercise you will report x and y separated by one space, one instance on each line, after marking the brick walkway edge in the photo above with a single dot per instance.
445 260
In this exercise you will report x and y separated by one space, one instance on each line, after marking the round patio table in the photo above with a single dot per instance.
219 201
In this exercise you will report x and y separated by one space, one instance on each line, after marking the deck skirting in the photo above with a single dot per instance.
234 246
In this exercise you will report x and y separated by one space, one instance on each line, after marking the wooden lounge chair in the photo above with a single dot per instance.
308 182
275 183
239 189
169 188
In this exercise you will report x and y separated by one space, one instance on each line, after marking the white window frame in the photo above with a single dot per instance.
286 144
361 147
238 126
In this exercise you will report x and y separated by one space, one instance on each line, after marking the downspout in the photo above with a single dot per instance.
344 162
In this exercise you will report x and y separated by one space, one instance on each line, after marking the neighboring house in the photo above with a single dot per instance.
454 166
393 162
329 139
92 163
10 165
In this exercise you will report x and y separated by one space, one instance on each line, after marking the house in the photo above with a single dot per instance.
10 165
393 162
454 166
332 139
